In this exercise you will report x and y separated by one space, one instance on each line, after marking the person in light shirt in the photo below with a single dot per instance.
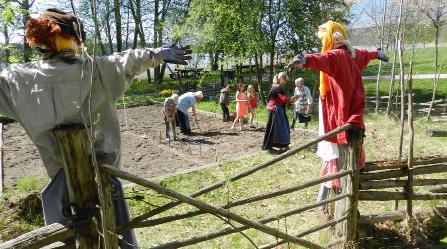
303 105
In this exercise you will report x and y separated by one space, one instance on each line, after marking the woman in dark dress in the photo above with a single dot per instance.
277 132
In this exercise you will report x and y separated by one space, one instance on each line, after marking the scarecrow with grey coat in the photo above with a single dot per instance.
60 90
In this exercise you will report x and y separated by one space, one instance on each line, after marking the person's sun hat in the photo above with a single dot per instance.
198 94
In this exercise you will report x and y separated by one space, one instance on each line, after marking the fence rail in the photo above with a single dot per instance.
208 208
244 201
43 238
240 175
39 238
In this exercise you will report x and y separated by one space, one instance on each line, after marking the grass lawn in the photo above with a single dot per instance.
422 89
423 62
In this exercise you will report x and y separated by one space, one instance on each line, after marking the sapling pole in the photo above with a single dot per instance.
230 230
391 89
39 238
409 187
380 62
208 208
247 200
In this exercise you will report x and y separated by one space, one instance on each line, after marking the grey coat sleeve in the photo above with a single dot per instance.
117 71
7 106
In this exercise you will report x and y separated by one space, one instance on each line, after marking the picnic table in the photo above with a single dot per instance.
186 73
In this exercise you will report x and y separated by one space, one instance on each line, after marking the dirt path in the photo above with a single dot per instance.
144 153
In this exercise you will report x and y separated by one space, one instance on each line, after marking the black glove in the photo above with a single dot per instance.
175 54
297 61
381 56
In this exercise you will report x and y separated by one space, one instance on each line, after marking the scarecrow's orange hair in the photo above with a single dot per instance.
42 32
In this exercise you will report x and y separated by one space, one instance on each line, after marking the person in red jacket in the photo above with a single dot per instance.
277 131
342 95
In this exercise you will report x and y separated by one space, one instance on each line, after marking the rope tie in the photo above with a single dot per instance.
80 216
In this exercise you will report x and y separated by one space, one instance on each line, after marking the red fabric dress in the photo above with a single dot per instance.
345 102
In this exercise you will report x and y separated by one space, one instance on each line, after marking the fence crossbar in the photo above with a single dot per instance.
396 164
307 232
242 174
208 208
381 184
244 201
418 170
230 230
39 238
388 196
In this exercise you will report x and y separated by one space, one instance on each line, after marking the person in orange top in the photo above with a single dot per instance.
342 95
241 106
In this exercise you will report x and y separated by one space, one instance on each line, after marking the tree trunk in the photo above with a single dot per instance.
25 5
118 30
157 75
216 61
380 62
7 51
126 40
391 89
108 29
101 45
222 79
160 37
435 82
436 46
272 58
259 78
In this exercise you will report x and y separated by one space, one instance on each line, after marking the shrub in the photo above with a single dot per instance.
166 92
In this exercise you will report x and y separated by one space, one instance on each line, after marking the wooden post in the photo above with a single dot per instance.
409 187
356 141
436 133
349 158
340 206
74 146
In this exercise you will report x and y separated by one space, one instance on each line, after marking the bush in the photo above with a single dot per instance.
166 92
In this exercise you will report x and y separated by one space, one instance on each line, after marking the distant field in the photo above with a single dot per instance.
421 88
423 61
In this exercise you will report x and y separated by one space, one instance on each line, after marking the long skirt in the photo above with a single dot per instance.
277 132
55 201
302 118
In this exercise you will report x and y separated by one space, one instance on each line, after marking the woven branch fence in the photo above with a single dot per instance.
355 186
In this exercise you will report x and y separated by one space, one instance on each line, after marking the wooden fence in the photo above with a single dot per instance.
355 186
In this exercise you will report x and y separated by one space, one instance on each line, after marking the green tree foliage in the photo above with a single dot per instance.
8 12
238 29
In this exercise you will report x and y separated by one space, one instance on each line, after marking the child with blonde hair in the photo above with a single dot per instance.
241 106
252 104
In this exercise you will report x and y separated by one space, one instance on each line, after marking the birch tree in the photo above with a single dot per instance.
436 12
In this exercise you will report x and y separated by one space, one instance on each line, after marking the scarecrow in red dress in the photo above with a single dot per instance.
342 95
